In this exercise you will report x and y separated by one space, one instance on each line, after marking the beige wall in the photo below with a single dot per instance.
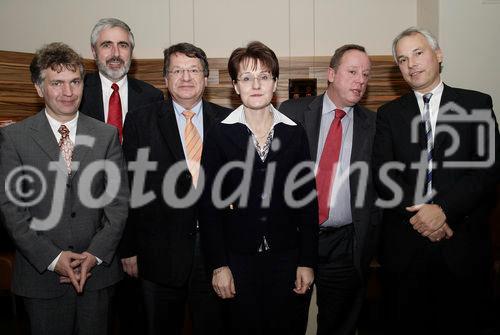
469 36
289 27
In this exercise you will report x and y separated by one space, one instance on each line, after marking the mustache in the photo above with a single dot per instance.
115 59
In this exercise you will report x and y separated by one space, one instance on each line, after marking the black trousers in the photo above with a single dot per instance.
427 298
165 305
71 313
339 288
265 302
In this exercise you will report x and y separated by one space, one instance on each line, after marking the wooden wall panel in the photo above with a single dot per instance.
18 98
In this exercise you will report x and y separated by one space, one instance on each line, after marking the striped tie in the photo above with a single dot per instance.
430 143
194 146
66 146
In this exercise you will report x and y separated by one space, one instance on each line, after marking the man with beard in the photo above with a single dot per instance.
109 94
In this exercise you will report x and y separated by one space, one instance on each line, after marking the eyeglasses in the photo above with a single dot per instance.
180 72
263 78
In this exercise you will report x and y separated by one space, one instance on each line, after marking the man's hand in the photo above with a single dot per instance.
223 282
444 232
428 218
304 280
88 263
66 265
130 266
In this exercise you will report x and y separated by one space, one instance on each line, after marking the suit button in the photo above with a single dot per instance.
73 214
68 185
263 218
188 176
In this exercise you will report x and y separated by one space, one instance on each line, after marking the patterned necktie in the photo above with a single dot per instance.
328 165
430 143
194 146
115 110
66 146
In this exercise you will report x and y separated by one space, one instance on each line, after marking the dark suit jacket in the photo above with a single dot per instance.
161 235
465 194
139 93
31 143
307 111
240 227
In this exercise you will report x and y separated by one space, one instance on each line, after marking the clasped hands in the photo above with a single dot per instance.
223 282
75 268
430 221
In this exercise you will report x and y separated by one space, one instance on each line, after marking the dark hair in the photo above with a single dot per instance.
187 49
254 51
337 56
55 56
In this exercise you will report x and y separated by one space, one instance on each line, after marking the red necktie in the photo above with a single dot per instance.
115 110
328 164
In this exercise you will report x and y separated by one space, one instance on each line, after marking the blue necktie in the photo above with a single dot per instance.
430 143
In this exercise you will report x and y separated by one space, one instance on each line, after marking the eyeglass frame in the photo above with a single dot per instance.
180 72
260 80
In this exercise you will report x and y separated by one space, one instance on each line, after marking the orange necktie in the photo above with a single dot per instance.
194 146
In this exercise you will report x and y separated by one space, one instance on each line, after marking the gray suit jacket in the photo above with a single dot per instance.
31 143
307 111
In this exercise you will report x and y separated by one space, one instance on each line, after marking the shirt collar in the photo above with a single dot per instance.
179 109
106 83
437 91
329 106
238 116
54 124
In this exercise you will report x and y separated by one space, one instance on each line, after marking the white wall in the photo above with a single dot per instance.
469 32
289 27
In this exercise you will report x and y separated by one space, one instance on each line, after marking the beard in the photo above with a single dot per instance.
113 75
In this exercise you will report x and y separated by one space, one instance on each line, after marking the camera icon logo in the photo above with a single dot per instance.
452 113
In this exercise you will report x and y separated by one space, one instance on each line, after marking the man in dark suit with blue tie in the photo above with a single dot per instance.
340 134
434 159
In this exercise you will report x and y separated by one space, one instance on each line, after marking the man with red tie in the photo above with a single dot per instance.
110 93
340 134
108 96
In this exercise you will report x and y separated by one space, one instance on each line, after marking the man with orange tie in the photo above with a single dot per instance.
65 266
340 134
110 93
161 242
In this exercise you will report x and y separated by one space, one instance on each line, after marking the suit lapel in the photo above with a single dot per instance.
93 97
42 134
282 134
312 123
169 130
447 96
134 94
84 127
410 112
209 117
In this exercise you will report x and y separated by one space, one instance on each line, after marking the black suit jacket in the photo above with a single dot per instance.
307 111
139 93
240 227
161 235
465 194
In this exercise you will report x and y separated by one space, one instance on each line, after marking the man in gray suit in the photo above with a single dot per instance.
64 202
340 134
